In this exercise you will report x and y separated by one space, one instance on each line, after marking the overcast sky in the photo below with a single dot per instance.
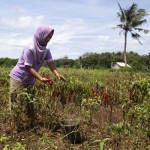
80 26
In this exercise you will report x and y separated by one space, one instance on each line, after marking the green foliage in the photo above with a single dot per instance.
95 61
89 106
48 140
137 114
8 62
102 143
4 81
3 139
121 128
17 146
91 91
65 62
131 18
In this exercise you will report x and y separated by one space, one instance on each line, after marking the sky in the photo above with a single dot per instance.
80 26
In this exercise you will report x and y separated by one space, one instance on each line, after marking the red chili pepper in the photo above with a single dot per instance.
52 92
69 99
93 91
60 91
49 79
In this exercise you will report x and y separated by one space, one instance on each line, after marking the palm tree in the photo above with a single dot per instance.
131 19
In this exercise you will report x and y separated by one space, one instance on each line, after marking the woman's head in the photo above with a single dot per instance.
42 36
47 38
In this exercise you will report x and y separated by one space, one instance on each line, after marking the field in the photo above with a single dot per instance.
112 109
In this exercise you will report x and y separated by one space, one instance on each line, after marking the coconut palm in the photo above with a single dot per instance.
131 19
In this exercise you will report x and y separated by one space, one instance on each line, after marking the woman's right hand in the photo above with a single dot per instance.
46 80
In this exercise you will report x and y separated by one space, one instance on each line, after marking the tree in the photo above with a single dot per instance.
131 19
90 60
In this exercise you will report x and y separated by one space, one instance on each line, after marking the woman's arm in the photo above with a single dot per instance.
35 74
52 67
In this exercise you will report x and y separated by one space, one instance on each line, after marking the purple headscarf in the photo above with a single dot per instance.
40 34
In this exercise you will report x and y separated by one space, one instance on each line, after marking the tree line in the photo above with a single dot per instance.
95 61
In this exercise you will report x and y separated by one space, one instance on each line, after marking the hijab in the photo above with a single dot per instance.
40 34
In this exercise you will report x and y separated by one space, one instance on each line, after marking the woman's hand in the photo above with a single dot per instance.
52 67
62 78
46 80
59 76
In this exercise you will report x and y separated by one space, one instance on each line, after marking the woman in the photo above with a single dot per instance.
26 70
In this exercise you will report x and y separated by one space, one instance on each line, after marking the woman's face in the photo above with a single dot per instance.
47 39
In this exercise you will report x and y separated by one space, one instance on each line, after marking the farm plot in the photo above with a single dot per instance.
112 110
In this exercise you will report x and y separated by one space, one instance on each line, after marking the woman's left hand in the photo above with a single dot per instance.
61 77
